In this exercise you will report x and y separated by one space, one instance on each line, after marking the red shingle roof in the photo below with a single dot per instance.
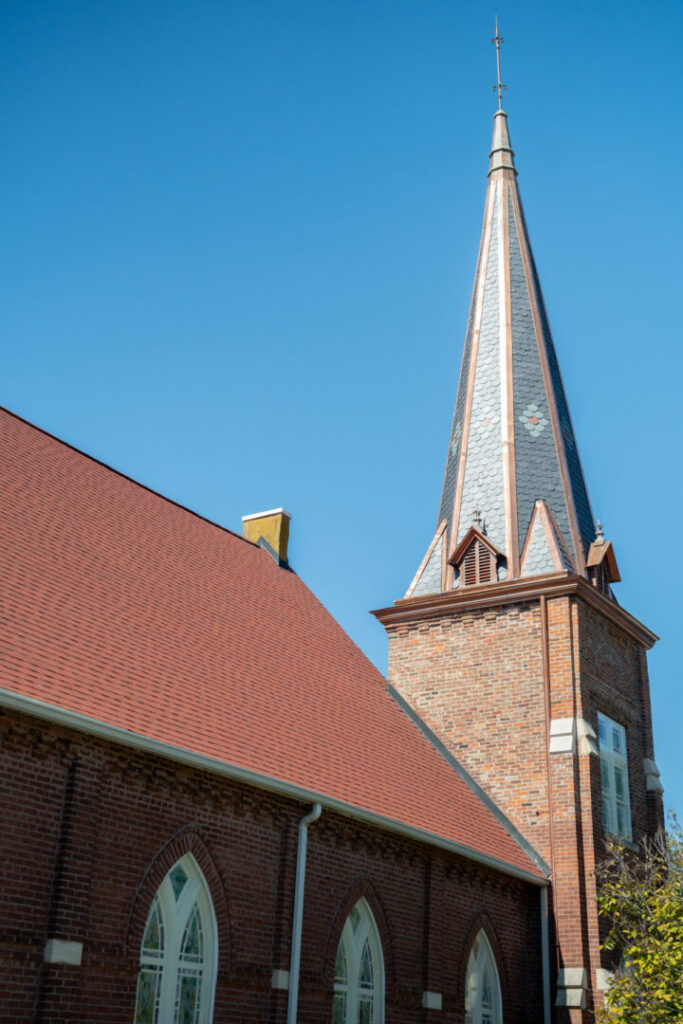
127 608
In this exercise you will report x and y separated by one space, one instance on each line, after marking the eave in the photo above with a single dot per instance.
69 719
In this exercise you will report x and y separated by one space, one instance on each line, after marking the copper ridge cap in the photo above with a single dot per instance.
501 157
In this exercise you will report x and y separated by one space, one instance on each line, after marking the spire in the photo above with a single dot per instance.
501 157
512 453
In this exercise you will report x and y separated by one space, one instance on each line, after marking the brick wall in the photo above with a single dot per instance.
477 680
476 677
614 680
90 829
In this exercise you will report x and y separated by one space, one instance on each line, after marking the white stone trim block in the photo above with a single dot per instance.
572 977
574 997
603 979
280 980
571 987
588 741
431 1000
570 734
58 951
562 736
653 783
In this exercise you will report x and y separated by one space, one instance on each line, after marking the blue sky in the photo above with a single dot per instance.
239 243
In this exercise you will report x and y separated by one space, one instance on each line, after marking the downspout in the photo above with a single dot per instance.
545 925
545 653
295 959
545 955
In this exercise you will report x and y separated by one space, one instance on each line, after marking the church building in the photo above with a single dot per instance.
215 809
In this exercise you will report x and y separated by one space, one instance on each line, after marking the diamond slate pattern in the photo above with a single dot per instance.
543 456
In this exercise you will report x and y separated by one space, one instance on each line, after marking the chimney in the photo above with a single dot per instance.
270 530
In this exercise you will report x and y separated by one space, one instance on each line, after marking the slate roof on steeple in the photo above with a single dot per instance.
512 443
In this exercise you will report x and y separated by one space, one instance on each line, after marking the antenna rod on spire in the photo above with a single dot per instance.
498 39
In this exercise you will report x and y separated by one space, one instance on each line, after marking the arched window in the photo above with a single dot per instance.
483 1003
359 971
179 947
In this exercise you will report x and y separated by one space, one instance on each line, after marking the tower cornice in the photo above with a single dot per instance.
514 591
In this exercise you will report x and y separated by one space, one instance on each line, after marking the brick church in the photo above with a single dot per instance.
216 810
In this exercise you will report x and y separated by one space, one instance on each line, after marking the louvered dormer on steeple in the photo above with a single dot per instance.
512 451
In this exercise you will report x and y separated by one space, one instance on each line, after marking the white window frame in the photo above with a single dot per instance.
482 964
614 777
353 943
176 915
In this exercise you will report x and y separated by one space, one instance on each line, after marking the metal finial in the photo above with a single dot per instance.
498 39
476 517
599 535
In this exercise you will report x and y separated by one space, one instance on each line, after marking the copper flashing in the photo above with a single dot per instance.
507 395
467 412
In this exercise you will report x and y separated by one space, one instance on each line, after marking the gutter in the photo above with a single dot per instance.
299 888
116 734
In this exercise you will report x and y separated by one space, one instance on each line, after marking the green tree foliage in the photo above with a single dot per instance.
642 899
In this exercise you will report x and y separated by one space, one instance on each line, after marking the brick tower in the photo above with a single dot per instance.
509 643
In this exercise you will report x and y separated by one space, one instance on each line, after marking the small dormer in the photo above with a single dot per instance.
476 559
601 563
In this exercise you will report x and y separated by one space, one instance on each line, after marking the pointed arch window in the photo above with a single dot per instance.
359 971
483 1002
178 954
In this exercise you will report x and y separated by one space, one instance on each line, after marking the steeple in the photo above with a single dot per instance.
512 453
509 645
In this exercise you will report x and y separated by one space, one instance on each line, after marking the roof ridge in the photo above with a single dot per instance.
125 476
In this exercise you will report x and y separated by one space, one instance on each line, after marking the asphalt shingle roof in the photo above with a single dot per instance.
122 606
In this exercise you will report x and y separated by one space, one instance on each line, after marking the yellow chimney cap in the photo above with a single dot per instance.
270 512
